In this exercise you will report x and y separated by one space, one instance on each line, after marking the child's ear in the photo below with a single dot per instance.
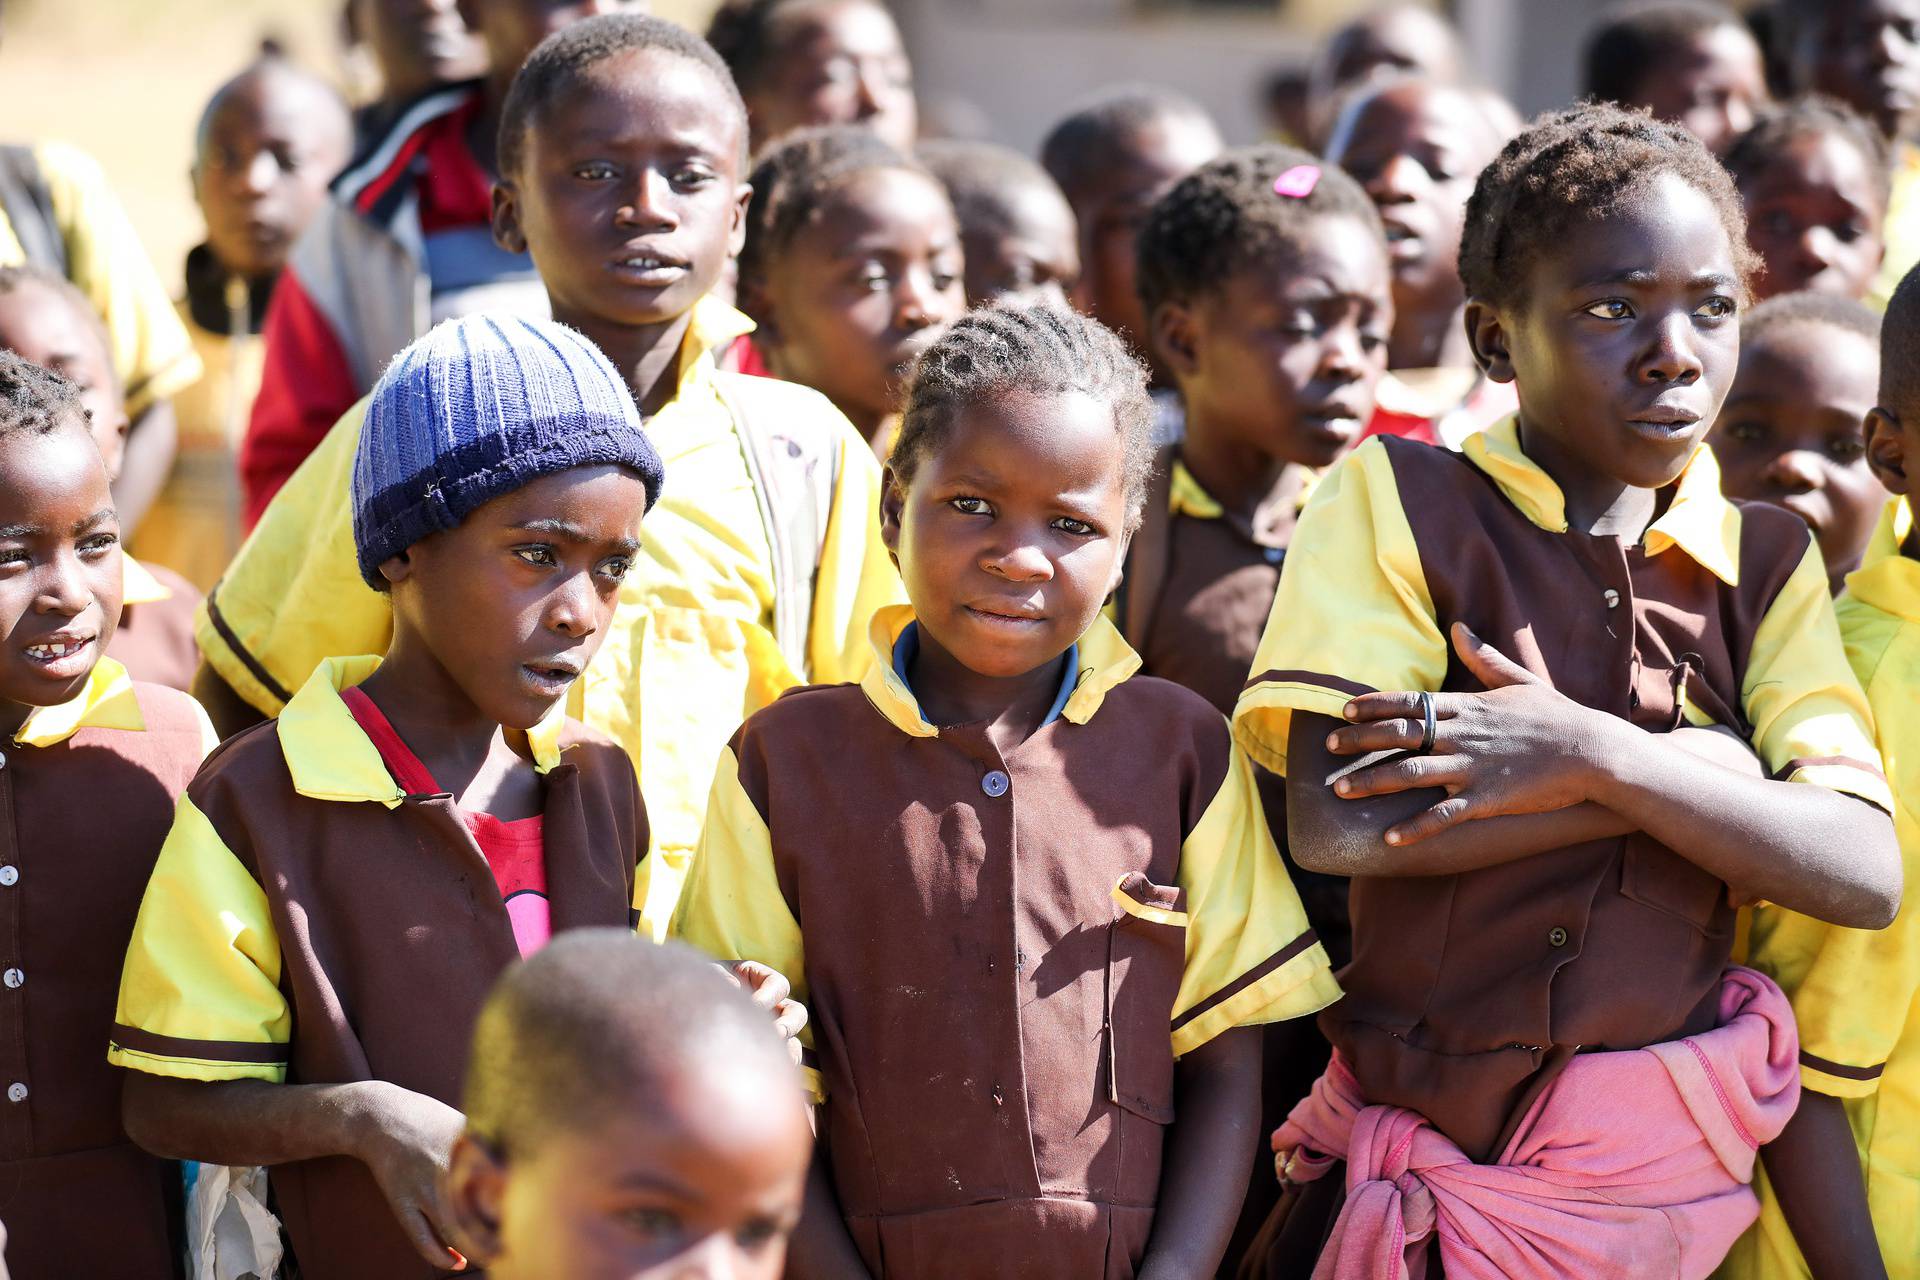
397 569
506 219
1119 565
1887 450
1172 330
474 1184
737 237
893 501
1487 338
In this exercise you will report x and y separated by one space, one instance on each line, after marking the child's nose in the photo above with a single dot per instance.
259 173
62 590
1796 471
649 204
1673 357
1815 247
1393 182
570 610
1022 561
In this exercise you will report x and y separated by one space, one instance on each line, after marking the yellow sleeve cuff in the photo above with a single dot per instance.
1264 715
1827 1078
1855 778
205 1069
1297 983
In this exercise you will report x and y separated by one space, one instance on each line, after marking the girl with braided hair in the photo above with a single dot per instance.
1042 912
1558 707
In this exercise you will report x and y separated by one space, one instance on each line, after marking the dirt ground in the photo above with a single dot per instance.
126 79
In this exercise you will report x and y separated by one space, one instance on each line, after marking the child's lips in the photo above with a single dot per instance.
550 677
998 615
63 657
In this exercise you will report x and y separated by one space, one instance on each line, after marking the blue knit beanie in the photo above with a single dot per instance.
479 407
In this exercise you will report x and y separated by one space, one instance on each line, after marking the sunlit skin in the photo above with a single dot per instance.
495 619
1893 451
270 147
1009 539
1278 365
1713 84
630 198
870 282
836 62
43 326
1791 433
1816 213
1417 147
1111 204
1867 54
1623 345
1030 258
699 1181
59 568
419 45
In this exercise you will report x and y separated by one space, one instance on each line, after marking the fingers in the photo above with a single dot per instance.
790 1017
425 1240
1406 773
1371 708
1491 667
1380 735
768 987
1449 813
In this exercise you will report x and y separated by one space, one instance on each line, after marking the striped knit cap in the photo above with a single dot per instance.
479 407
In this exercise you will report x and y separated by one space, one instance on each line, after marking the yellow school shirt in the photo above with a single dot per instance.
151 352
690 653
1856 993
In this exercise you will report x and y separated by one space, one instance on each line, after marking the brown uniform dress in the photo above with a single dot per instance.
390 931
154 640
991 1018
82 817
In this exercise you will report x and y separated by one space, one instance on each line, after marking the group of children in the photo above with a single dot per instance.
1059 616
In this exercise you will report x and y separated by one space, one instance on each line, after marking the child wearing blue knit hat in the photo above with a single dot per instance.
342 886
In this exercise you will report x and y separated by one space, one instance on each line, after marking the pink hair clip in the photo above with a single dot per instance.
1298 182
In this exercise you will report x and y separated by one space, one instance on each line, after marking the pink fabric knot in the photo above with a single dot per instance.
1298 182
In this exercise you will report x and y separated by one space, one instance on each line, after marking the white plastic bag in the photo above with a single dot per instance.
231 1235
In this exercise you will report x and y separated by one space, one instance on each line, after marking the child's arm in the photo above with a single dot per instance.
404 1138
1815 1169
821 1246
1526 757
1209 1154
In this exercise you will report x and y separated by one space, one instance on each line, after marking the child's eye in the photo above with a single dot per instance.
536 555
1715 308
972 506
651 1222
14 555
1745 432
1611 309
616 568
1078 528
692 178
1847 449
99 544
758 1235
944 280
594 171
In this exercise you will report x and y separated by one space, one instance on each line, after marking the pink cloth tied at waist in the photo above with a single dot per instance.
1631 1163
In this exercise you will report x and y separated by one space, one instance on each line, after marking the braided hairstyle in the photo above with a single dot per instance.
1583 162
1226 216
1808 115
36 401
1040 351
794 179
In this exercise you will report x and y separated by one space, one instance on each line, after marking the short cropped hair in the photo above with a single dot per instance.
1035 350
1810 114
1576 163
982 178
600 1021
1792 310
795 176
28 275
36 401
746 33
1226 215
1636 37
1089 138
1900 347
564 58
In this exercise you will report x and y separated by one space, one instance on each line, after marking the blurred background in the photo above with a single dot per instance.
125 79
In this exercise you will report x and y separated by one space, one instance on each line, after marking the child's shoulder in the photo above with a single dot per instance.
1175 720
1773 542
592 751
813 713
803 419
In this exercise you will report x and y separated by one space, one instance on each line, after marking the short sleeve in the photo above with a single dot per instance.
151 350
200 994
1810 719
293 596
1251 956
1353 614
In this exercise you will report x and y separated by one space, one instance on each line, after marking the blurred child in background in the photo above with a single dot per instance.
817 62
1693 62
1020 240
1813 177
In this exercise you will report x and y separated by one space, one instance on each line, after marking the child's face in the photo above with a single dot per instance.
514 602
1013 531
512 29
1815 213
1034 258
1893 452
1712 85
419 44
629 195
1417 149
1284 356
269 151
695 1188
59 566
1111 207
1626 335
42 327
1867 54
1791 434
867 285
838 62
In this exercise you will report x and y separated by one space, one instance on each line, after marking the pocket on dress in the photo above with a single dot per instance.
1146 952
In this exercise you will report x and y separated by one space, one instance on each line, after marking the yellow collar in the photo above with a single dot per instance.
1887 578
1105 661
1187 497
713 328
1699 520
330 757
106 703
139 586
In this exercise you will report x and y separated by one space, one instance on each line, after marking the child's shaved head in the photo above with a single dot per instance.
630 1115
600 1021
